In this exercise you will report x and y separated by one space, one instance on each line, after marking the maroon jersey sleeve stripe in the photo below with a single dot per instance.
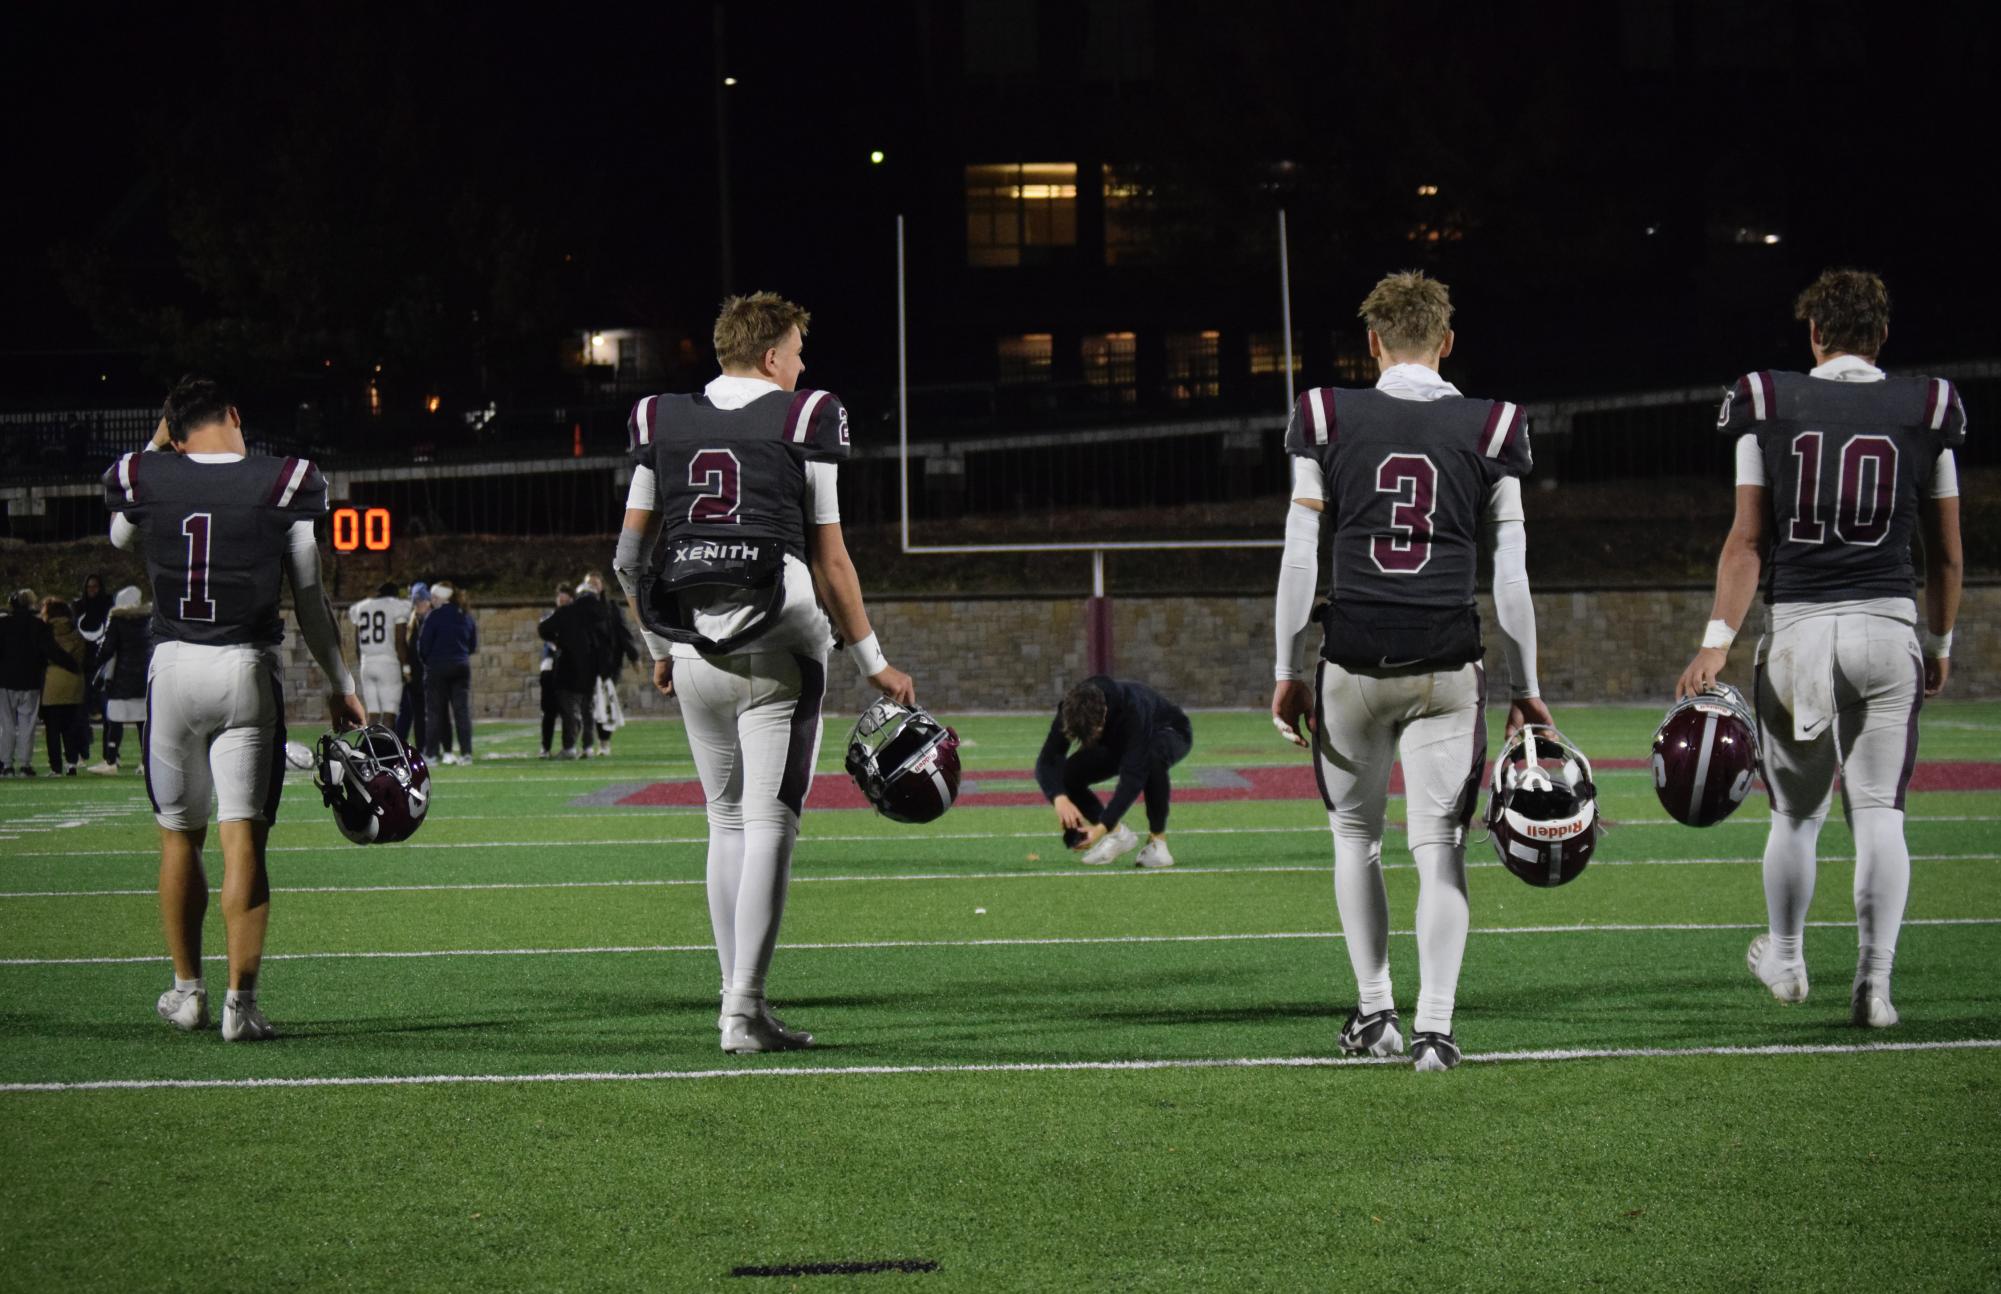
278 487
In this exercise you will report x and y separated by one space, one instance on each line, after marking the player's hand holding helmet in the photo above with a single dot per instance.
1542 810
1705 756
904 761
378 788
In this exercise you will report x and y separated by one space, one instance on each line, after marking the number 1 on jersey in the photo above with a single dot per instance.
195 604
718 475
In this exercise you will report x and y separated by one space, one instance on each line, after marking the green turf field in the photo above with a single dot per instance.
499 1071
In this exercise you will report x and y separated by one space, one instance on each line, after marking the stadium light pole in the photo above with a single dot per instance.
902 392
1285 304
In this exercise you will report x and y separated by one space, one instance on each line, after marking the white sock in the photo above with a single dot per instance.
1882 884
187 985
725 875
1365 917
760 900
1441 933
1789 874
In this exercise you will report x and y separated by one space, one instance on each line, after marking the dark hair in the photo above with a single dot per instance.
53 608
1850 307
1083 713
385 590
194 402
85 589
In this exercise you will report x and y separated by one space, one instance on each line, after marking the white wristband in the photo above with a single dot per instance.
867 656
1938 646
659 648
1718 636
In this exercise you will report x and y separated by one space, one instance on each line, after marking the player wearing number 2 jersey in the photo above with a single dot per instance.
741 481
1837 469
220 529
1410 473
381 635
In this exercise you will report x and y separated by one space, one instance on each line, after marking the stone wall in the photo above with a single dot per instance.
1020 653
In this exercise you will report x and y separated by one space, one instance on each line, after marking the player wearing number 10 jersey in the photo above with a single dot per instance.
741 480
1410 473
1837 469
220 530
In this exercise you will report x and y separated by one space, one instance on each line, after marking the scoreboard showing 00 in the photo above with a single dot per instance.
354 528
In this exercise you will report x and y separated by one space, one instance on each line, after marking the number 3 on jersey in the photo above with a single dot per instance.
719 477
1413 480
1865 490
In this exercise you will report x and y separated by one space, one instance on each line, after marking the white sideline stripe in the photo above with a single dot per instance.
1543 1056
870 945
1067 875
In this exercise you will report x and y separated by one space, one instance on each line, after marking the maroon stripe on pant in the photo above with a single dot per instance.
146 749
805 730
1319 733
276 777
1469 795
1911 738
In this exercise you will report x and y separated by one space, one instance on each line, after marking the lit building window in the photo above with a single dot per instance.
1128 203
1194 365
1353 365
1016 211
1111 366
1268 353
1026 360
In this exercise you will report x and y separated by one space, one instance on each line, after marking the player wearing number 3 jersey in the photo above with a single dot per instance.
741 483
220 530
1836 471
1410 472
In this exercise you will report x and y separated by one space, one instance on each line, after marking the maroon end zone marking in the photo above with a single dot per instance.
1272 782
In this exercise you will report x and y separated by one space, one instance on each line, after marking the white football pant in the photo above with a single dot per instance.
753 725
215 726
1437 723
381 684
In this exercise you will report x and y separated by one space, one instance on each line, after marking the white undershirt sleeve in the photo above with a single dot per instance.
1297 570
309 600
123 533
1945 477
823 495
1514 611
1750 461
1504 500
643 491
1308 482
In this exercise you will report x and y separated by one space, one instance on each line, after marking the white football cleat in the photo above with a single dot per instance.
1114 845
1869 1005
758 1031
185 1009
1154 854
1788 983
245 1023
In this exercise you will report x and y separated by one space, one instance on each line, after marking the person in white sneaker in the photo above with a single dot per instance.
1123 730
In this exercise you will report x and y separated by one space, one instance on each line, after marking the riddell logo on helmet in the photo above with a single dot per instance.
1552 830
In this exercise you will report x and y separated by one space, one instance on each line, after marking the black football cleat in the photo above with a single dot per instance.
1433 1051
1377 1034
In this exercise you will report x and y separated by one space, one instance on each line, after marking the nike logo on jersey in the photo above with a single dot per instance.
1401 664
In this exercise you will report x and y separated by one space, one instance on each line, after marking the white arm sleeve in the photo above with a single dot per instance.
309 601
1504 500
123 533
823 496
1308 482
1945 477
1297 569
1750 461
1513 609
629 564
642 493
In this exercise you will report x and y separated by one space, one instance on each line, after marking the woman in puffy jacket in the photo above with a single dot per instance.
62 690
121 661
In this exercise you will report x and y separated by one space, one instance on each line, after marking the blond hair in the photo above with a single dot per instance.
1850 307
1410 312
750 325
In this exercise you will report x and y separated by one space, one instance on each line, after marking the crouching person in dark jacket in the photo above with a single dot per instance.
1123 730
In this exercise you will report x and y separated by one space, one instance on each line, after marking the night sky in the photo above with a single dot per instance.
272 183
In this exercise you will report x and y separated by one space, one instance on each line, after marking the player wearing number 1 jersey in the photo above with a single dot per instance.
741 481
1837 469
220 530
381 635
1410 473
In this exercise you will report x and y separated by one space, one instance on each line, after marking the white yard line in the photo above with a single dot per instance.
871 945
1543 1056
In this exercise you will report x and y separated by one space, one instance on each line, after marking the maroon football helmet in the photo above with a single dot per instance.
1542 812
1705 756
378 788
904 761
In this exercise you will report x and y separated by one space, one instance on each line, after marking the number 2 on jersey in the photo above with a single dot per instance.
718 475
195 603
1413 479
1865 490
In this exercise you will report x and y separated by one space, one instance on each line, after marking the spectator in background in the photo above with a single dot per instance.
410 717
607 711
120 662
27 649
552 706
577 633
62 690
1124 730
446 644
92 611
